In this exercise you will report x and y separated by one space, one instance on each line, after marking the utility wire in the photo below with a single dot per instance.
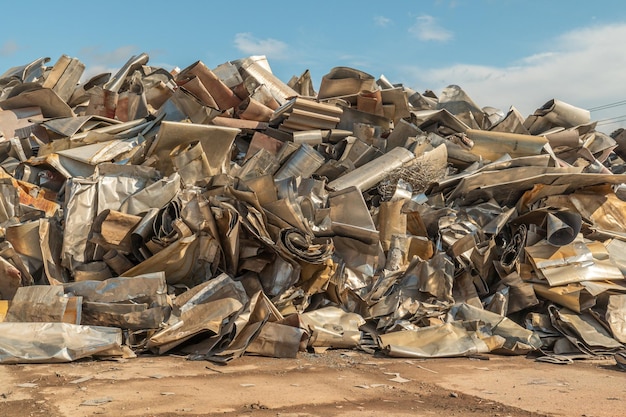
610 123
612 120
608 106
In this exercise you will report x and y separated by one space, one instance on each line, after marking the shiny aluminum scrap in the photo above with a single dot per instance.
219 212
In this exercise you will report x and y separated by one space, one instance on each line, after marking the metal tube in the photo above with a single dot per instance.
370 174
304 162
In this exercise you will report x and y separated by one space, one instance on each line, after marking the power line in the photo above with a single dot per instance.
612 120
608 106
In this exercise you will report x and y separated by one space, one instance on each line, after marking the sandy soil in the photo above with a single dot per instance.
336 383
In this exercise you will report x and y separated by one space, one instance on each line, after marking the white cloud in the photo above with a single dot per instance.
381 21
249 45
536 58
9 48
584 67
427 29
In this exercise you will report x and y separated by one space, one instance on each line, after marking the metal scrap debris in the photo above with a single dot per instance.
222 212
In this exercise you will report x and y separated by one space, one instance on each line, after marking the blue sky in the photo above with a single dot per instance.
501 52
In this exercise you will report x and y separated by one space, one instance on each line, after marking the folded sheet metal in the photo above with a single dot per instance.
345 81
50 233
56 342
604 209
333 327
258 314
518 340
40 304
10 279
215 141
573 296
30 72
136 303
183 105
277 340
395 103
575 262
210 307
556 113
616 316
512 122
402 131
80 212
191 163
176 261
507 191
87 197
13 122
303 84
263 95
45 98
439 341
223 96
584 332
257 69
441 121
24 238
194 85
350 216
457 102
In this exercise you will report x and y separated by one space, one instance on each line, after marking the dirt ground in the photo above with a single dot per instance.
336 383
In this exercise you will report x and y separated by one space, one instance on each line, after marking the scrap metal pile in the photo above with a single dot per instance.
217 212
